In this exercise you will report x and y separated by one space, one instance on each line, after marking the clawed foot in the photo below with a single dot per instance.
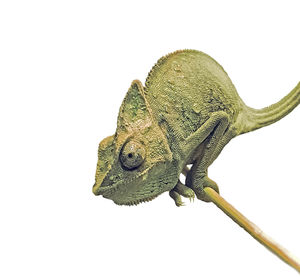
181 190
195 184
199 184
176 197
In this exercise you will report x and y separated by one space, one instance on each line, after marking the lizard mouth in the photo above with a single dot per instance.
111 188
104 189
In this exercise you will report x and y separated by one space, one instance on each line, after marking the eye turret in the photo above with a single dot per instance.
132 155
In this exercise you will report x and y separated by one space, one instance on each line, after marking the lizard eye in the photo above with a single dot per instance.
132 155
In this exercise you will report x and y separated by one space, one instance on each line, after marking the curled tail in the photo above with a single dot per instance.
253 119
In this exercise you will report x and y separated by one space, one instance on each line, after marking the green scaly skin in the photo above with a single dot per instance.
185 114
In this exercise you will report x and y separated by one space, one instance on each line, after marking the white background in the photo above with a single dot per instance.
65 67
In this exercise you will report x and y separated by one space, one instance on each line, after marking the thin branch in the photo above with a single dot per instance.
252 229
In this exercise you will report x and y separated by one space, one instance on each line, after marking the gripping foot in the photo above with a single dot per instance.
181 190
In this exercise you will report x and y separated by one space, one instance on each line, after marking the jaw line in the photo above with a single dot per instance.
111 188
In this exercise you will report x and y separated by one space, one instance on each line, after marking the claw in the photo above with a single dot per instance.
192 198
177 198
180 204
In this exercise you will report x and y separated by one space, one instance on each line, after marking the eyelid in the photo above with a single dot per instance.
138 157
119 149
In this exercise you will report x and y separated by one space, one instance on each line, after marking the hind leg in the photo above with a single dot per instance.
197 178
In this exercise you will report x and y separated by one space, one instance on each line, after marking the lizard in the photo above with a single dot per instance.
185 114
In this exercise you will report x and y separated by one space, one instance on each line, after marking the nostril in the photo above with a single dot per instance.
106 184
108 181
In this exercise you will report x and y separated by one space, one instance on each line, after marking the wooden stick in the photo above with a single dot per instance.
252 229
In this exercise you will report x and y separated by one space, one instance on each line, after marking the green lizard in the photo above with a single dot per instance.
185 114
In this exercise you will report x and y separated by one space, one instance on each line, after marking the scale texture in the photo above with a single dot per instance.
185 114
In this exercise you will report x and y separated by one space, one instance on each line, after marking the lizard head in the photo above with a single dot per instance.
135 164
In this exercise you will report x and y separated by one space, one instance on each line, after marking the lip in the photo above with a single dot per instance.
102 190
111 188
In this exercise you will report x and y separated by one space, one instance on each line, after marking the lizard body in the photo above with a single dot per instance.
185 114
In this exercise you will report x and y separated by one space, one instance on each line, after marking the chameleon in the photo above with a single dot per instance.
183 116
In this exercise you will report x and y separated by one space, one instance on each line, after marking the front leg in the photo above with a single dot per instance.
181 190
220 134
